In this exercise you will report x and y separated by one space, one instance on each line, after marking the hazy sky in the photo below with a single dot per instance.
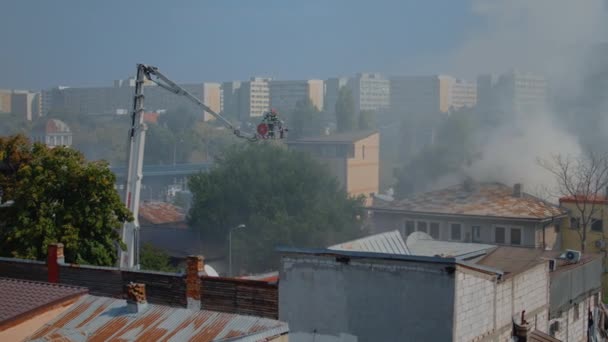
79 43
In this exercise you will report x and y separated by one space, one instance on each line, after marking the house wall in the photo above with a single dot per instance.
363 169
571 237
531 233
485 307
366 299
573 326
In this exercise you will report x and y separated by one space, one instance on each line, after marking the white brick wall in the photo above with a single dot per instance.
571 330
474 307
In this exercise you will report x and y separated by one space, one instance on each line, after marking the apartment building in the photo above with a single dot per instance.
211 96
463 94
5 101
254 98
230 98
284 95
371 91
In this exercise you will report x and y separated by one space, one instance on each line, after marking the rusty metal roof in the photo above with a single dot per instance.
95 318
389 243
161 213
484 200
19 298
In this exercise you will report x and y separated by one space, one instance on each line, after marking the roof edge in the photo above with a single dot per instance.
403 211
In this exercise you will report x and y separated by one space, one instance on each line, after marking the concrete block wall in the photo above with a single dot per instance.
571 329
475 306
531 289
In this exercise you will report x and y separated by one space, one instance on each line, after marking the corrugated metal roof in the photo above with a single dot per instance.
389 243
486 200
420 243
95 318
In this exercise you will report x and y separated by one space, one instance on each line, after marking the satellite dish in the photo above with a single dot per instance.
210 271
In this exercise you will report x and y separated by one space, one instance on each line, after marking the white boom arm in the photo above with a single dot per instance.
129 258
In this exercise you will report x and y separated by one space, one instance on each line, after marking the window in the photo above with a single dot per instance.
455 231
597 225
422 226
515 236
476 233
434 230
409 228
576 311
574 223
499 234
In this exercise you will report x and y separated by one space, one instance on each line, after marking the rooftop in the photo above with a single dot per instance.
420 243
389 242
22 298
51 126
483 200
338 138
597 199
104 318
161 213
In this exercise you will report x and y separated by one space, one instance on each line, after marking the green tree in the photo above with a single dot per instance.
283 196
58 197
305 120
155 259
367 119
346 118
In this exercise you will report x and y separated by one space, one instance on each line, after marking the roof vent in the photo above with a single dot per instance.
136 297
518 190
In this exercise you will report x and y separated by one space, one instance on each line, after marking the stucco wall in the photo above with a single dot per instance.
363 168
531 232
370 299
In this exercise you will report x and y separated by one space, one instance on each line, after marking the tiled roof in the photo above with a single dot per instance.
19 298
52 126
338 138
486 200
389 243
161 213
597 199
104 319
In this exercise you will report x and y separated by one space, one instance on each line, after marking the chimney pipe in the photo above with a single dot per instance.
136 297
195 265
54 257
518 190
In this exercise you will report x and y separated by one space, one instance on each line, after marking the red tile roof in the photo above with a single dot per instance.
161 213
151 117
20 299
486 200
597 199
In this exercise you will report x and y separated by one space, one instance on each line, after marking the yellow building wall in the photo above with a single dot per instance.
212 99
5 102
315 92
363 169
444 94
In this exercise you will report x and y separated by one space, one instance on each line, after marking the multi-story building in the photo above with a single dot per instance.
332 90
5 101
429 95
254 98
353 158
52 133
371 91
211 96
284 95
230 99
25 104
490 213
513 93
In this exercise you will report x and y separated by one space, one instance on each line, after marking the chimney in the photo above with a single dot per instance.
195 265
136 297
518 190
54 257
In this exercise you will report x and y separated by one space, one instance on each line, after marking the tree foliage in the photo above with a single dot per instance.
305 120
155 259
58 197
284 198
367 119
346 118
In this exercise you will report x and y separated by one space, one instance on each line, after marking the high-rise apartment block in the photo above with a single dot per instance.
332 90
371 91
230 99
254 97
284 95
22 103
513 93
211 96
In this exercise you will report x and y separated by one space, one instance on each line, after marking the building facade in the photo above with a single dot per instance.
489 213
211 96
463 94
5 101
52 133
230 99
371 91
284 95
254 98
353 158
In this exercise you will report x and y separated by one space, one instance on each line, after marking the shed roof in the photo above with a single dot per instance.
103 319
484 200
22 298
389 242
338 138
422 244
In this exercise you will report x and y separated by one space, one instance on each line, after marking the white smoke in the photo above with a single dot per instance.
550 37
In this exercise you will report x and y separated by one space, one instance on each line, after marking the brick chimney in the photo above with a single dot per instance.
136 297
195 265
518 190
54 257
